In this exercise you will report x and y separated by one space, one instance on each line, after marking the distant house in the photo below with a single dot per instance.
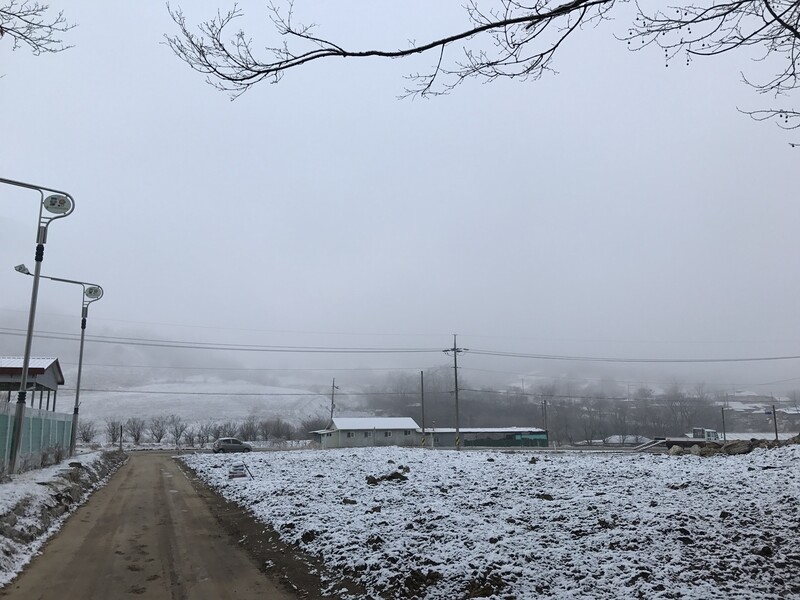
358 432
486 437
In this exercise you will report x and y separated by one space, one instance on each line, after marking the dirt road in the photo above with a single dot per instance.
147 533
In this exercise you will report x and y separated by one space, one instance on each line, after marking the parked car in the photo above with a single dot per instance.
230 445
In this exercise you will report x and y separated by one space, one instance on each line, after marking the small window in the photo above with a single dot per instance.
350 434
387 434
367 433
407 432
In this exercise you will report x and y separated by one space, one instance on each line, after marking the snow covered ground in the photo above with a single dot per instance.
493 524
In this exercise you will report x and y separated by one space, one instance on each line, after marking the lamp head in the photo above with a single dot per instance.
94 292
22 269
58 204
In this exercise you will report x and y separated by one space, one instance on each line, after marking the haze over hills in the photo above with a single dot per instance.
202 399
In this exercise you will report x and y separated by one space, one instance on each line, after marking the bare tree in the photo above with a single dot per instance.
264 429
505 39
713 27
33 25
248 429
135 427
215 430
311 424
87 431
157 428
176 428
205 434
113 430
227 429
191 436
278 429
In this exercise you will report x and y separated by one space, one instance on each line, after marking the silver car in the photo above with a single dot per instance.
230 445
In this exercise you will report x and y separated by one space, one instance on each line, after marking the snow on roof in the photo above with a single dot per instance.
483 430
361 423
15 362
9 365
760 435
745 406
626 439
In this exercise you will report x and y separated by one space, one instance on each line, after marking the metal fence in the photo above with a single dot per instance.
43 432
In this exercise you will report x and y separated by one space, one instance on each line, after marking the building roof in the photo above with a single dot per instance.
364 423
746 436
626 439
12 365
483 430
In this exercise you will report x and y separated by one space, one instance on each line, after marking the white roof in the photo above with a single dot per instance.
361 423
15 362
483 430
762 435
626 439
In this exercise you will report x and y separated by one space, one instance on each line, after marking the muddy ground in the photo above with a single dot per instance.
155 531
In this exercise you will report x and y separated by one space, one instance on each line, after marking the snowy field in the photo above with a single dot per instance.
495 524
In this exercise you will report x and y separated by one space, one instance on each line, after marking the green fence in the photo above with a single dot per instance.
42 432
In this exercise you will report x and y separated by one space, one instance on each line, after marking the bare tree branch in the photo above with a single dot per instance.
32 25
231 64
715 27
511 39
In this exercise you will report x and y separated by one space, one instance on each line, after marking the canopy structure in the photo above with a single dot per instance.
44 376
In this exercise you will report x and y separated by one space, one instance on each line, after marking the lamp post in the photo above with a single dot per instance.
59 205
91 293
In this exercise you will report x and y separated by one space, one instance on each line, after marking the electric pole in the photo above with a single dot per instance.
775 422
724 434
544 414
456 351
422 402
333 391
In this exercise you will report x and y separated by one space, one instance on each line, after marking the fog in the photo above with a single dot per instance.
616 209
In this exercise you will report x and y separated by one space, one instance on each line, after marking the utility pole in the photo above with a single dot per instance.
544 414
456 351
724 435
422 402
775 421
333 392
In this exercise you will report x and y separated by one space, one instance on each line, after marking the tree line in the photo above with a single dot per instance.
570 412
174 430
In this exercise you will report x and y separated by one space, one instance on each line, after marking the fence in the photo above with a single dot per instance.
42 431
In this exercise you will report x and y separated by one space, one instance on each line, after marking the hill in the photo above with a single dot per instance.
200 400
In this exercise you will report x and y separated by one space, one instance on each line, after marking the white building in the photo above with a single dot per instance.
358 432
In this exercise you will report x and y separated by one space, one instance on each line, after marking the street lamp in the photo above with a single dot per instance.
59 205
91 293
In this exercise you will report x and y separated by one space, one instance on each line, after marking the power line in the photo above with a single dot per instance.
629 360
154 343
247 369
248 329
279 394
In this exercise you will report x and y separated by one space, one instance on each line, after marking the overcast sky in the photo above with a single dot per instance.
618 208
